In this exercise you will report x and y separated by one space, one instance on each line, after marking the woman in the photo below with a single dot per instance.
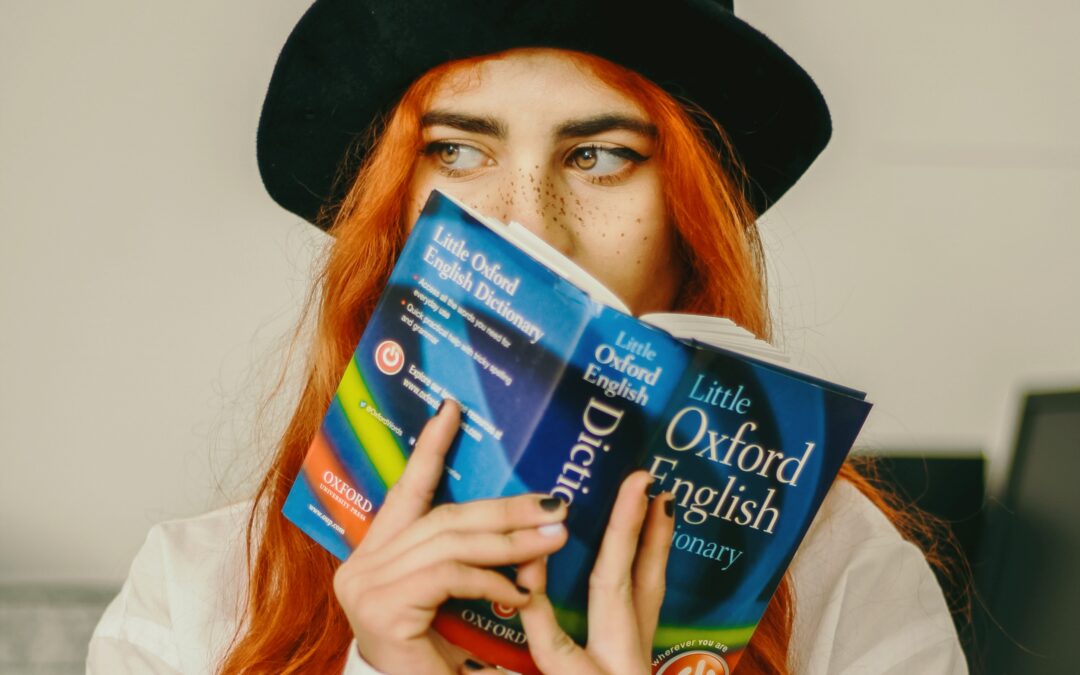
540 113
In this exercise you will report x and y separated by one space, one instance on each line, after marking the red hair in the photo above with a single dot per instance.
292 621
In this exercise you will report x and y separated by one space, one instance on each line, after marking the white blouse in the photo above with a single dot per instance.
866 601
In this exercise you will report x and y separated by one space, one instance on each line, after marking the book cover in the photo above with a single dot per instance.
565 395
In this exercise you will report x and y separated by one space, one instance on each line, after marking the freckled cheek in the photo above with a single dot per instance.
627 249
495 197
492 195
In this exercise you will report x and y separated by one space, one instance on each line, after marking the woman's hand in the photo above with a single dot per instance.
413 558
626 590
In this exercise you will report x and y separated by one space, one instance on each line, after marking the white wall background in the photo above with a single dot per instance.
146 280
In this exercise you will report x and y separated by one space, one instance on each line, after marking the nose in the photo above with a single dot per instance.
536 199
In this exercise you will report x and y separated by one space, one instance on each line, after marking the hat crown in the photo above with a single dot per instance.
348 61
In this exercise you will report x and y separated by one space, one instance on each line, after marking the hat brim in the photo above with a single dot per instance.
348 61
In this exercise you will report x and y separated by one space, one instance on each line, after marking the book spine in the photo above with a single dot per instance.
594 431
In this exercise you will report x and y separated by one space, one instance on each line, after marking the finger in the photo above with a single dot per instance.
482 549
650 566
410 497
484 515
427 588
551 648
611 600
532 574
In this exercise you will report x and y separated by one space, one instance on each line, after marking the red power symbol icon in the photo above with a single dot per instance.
389 357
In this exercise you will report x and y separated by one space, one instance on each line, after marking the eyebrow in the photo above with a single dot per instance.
490 126
601 123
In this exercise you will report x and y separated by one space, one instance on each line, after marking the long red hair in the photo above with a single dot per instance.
292 621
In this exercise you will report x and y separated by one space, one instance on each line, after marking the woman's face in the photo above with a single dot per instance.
536 139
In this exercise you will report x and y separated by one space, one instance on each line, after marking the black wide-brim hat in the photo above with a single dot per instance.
347 62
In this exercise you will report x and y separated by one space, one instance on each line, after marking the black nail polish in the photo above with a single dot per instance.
550 503
669 507
521 589
473 665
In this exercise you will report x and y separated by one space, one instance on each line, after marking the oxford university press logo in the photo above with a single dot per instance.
697 662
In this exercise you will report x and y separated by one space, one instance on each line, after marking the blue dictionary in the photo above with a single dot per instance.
564 392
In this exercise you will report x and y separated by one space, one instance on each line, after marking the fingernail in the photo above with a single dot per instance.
473 665
551 529
442 404
669 507
550 503
521 589
649 484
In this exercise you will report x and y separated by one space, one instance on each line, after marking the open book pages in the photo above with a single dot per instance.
712 330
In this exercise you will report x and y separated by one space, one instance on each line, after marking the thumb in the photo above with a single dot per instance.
550 647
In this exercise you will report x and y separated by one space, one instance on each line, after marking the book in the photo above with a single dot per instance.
564 392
